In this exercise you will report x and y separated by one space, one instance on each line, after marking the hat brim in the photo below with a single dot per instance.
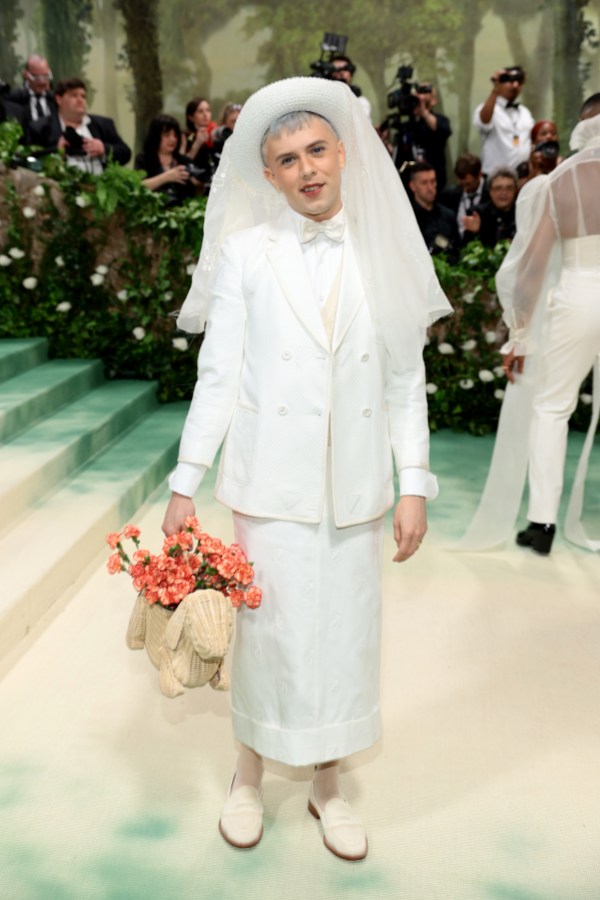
331 99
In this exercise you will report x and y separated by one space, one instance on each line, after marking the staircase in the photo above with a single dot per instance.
78 456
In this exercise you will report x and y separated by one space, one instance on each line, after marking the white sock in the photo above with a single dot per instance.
249 769
326 782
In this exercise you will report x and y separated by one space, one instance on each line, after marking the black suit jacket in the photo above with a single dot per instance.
451 195
20 98
46 132
12 112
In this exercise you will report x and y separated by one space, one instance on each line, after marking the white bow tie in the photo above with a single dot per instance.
332 228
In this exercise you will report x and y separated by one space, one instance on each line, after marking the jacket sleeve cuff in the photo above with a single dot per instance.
418 482
185 479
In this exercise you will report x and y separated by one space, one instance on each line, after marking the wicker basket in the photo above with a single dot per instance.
187 645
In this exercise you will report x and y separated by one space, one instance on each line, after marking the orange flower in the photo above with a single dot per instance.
245 574
114 564
253 597
236 598
180 568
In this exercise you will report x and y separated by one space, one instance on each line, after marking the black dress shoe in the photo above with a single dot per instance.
537 536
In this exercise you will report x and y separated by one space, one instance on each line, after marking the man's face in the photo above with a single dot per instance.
424 187
38 75
341 72
510 90
503 192
72 105
306 167
469 183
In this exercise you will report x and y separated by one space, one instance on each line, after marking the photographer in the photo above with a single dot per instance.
504 123
436 222
343 69
35 100
430 132
494 220
545 150
168 170
88 141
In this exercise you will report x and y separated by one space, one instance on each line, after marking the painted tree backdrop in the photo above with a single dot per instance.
158 48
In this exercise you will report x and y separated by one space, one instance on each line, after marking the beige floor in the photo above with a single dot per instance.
486 785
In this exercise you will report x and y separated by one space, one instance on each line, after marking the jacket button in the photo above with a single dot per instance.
286 354
283 410
364 357
366 412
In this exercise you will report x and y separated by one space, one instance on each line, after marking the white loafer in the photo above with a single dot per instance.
343 832
241 819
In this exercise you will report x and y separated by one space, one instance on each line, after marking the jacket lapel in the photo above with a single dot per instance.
351 294
285 257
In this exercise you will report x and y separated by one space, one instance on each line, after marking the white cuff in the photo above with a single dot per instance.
418 482
520 345
186 478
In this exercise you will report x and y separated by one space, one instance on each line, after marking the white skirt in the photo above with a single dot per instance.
306 663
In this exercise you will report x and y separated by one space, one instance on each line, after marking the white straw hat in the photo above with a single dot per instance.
331 99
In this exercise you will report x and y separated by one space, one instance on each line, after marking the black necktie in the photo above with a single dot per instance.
512 104
40 108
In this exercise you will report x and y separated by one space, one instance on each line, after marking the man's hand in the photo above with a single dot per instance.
410 525
512 365
472 223
94 147
178 510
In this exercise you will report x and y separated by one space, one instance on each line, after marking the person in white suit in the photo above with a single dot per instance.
316 289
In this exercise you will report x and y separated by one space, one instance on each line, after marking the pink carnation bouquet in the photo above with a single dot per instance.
191 560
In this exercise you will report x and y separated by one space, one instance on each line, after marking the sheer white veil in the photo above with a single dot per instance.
402 288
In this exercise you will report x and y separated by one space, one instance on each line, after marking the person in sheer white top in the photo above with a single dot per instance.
549 287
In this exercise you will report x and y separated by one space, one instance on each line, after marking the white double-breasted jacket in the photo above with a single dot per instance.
276 391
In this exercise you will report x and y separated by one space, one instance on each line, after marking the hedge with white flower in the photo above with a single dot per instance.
98 266
462 355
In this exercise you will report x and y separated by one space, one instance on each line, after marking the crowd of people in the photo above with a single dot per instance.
177 162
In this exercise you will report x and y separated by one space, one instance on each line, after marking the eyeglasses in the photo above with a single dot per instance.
32 77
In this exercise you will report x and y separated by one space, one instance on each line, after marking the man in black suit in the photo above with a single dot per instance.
88 141
437 223
35 100
470 192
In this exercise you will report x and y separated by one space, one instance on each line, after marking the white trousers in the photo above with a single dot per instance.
571 344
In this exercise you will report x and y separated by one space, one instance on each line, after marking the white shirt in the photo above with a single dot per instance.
34 99
506 139
92 165
323 257
474 200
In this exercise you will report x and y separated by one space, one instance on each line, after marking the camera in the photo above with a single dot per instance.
548 149
196 172
402 98
331 44
515 73
74 142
